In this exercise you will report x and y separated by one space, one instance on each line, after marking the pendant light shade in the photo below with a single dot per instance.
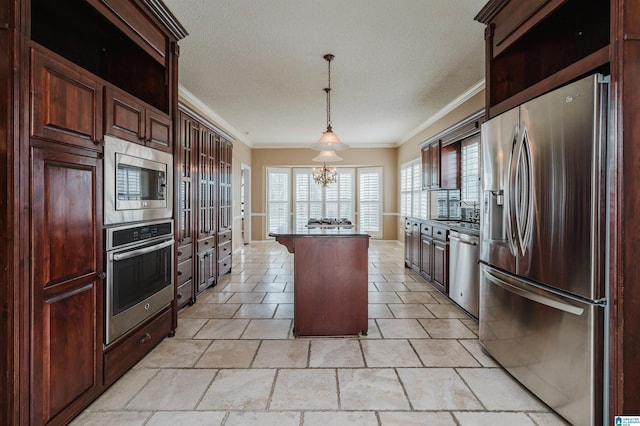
329 141
327 157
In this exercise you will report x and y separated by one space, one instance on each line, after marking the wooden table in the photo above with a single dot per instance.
330 281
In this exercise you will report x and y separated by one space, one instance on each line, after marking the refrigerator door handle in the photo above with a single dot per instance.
523 195
509 198
553 302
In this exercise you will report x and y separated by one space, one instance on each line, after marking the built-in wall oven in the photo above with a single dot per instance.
139 259
137 182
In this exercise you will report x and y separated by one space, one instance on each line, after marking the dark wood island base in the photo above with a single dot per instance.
330 282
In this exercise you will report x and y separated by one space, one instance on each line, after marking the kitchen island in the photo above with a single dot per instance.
330 280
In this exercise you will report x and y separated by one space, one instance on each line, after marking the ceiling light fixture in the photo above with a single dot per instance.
329 141
325 175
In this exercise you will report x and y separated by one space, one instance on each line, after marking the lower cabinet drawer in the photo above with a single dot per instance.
126 353
185 271
224 266
185 294
224 250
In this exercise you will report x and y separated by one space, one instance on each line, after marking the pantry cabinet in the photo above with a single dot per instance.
204 159
59 62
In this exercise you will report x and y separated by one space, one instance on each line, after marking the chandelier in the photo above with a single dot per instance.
324 175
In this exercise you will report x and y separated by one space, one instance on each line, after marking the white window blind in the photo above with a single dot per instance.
312 200
370 201
278 198
470 179
413 200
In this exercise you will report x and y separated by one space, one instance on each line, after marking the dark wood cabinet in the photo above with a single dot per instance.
431 165
534 46
66 106
225 214
440 278
186 146
329 301
426 252
129 118
207 265
66 291
204 208
415 246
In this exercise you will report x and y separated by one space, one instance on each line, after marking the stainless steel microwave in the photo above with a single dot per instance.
138 182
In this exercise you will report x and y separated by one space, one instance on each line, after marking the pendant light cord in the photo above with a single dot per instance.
328 58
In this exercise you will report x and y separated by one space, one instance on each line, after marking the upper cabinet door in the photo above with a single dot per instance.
123 116
130 119
66 102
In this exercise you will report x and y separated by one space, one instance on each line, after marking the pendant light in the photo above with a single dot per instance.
325 175
329 141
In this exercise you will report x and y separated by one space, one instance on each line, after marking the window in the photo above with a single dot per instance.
470 179
311 200
370 201
413 200
292 192
278 199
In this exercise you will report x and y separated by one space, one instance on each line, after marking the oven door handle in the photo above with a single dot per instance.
138 252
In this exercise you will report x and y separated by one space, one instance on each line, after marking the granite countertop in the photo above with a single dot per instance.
324 231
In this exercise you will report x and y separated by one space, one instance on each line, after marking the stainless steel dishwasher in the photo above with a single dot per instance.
464 271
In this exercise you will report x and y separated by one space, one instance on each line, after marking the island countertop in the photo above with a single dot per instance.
330 230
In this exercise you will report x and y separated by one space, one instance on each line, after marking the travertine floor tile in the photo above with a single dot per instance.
475 348
210 310
188 327
383 297
326 418
282 354
401 329
173 390
247 298
175 353
498 391
339 352
493 419
417 297
267 329
447 329
257 418
270 287
284 310
371 389
308 389
379 310
256 310
229 354
390 418
389 353
409 310
123 391
548 419
443 353
105 418
278 298
437 389
239 389
186 418
223 329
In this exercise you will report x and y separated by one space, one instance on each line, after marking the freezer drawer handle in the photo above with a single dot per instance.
554 303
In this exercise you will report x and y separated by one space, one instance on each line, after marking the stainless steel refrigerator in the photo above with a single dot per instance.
543 241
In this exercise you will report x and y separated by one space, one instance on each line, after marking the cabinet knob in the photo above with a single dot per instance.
206 243
179 296
179 273
145 338
179 253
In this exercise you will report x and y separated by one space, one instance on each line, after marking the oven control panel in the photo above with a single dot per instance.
124 236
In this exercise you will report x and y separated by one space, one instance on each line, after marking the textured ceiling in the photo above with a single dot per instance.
258 65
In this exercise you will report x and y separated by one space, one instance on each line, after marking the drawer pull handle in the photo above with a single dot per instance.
145 338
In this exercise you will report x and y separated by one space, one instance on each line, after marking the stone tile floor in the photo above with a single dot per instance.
234 360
